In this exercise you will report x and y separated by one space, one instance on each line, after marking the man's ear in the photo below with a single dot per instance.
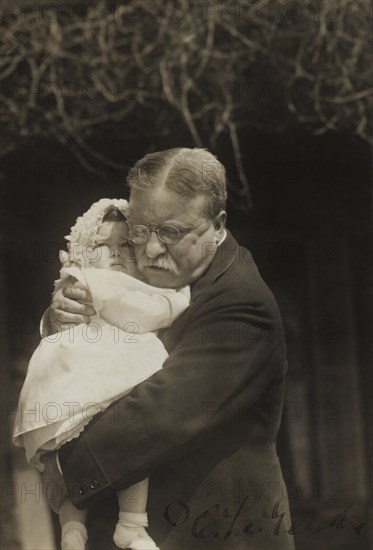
219 222
220 219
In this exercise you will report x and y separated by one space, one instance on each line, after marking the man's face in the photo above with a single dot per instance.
179 264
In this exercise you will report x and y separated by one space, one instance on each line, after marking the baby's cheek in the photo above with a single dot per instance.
103 257
125 255
131 268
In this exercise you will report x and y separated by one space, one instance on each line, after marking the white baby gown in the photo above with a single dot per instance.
79 372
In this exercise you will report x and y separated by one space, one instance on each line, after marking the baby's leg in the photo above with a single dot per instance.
74 532
130 530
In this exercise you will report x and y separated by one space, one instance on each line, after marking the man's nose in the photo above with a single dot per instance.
154 247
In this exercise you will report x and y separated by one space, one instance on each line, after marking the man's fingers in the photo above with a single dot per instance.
75 293
63 318
71 306
76 307
61 302
78 284
67 310
78 291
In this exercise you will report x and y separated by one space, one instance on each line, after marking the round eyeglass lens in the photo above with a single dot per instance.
139 234
168 234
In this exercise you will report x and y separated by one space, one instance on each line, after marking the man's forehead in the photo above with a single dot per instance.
158 207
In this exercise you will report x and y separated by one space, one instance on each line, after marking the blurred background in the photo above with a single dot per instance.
281 92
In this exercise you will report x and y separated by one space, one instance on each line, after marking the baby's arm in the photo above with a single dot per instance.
121 299
148 312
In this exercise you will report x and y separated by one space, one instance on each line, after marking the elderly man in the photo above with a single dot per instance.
204 427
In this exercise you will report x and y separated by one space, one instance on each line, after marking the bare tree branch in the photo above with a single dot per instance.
211 66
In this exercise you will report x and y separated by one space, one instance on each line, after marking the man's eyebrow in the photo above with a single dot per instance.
183 226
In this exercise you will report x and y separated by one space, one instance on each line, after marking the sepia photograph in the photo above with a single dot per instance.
186 275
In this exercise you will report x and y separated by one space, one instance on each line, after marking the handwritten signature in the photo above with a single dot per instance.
205 524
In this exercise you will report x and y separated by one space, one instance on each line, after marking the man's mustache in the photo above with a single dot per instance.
163 262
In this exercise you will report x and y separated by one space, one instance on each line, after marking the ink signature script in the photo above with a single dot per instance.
205 524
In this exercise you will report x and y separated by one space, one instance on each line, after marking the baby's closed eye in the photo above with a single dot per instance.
125 244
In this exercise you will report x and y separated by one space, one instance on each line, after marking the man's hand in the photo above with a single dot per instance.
54 488
68 308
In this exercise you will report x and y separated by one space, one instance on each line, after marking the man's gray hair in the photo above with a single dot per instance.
184 172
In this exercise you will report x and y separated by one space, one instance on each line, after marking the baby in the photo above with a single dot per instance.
79 372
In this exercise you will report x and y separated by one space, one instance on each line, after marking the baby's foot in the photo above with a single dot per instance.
74 538
130 532
135 538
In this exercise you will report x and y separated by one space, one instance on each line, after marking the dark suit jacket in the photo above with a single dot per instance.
204 427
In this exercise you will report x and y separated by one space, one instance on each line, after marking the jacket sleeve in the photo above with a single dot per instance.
223 355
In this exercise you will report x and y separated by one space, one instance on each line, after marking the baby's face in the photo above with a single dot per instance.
111 250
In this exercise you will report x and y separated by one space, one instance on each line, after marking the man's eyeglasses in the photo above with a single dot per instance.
168 234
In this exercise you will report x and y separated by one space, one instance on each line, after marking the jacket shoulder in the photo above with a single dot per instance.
241 283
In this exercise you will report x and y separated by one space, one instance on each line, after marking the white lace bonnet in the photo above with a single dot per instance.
84 232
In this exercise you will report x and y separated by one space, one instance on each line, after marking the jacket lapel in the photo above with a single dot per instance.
224 257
